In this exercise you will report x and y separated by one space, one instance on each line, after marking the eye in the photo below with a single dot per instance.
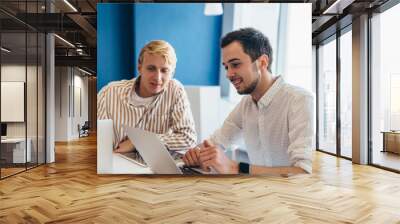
165 70
151 68
235 65
226 68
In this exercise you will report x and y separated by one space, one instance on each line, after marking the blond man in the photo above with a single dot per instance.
153 101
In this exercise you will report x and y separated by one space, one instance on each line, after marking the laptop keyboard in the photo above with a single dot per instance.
188 171
136 157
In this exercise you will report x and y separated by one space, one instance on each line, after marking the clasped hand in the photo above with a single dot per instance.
209 156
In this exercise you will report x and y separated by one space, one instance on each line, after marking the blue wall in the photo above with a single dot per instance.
194 36
115 50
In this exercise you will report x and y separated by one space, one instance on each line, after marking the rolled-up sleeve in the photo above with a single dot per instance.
301 132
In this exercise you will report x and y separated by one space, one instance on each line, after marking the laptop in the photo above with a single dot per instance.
156 155
134 157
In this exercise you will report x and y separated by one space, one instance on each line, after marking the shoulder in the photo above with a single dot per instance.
175 88
116 86
175 85
297 93
244 104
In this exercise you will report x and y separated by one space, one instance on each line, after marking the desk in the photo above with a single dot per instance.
391 141
109 162
15 148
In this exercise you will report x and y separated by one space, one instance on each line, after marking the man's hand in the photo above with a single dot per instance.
191 157
212 156
125 146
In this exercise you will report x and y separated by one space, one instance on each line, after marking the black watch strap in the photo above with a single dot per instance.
244 168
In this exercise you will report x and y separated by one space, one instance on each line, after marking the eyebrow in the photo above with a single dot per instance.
152 65
230 61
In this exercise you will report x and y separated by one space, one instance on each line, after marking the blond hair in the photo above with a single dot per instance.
162 48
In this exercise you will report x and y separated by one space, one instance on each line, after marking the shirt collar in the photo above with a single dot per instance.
132 88
266 99
129 91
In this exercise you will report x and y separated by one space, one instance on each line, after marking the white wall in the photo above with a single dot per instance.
267 21
209 110
204 103
297 58
241 16
80 83
69 82
61 103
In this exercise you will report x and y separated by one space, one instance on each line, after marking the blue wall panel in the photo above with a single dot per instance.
114 43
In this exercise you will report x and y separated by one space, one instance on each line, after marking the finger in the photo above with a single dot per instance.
119 148
189 158
194 157
197 152
207 143
207 165
207 151
185 161
204 158
206 168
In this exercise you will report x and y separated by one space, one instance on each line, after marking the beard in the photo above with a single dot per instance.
250 88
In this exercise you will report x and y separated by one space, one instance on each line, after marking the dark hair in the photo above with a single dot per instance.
254 43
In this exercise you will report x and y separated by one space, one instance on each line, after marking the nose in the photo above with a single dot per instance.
158 75
229 73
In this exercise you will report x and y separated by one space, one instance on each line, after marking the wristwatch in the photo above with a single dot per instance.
244 168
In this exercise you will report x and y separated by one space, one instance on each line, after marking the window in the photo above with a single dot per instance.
327 97
22 65
296 61
394 102
385 88
346 94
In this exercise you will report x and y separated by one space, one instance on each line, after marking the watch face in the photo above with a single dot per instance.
244 168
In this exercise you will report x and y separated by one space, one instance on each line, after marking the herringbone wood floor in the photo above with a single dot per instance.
70 191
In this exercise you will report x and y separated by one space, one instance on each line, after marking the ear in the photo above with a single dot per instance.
139 67
264 61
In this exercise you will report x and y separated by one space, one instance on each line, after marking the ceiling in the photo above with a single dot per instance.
328 16
75 21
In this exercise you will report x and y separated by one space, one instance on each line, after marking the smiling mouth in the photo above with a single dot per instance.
156 84
236 82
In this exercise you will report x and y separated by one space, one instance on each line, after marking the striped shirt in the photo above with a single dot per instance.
168 115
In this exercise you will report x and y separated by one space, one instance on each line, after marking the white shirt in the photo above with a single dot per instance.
141 101
278 130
